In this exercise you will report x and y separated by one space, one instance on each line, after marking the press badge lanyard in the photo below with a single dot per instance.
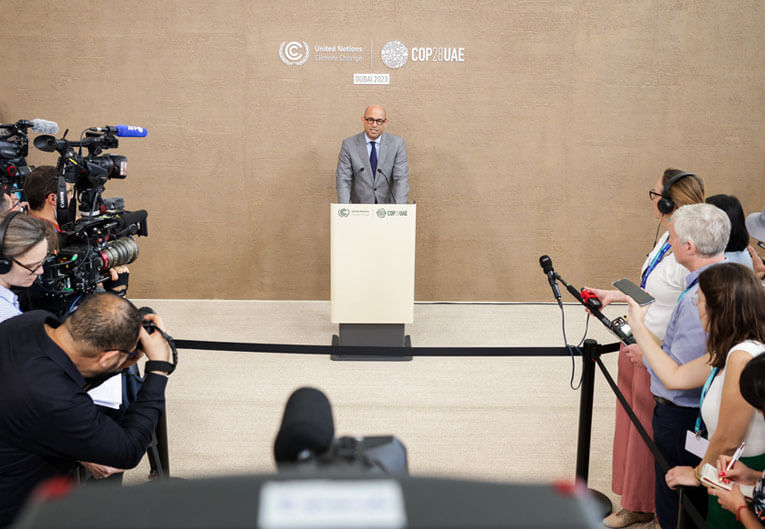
695 280
698 429
656 260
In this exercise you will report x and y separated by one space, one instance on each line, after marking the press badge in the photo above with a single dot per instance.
696 445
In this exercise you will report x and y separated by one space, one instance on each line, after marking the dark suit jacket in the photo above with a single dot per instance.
48 421
355 182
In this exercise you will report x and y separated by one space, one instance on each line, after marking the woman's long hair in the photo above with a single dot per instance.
735 308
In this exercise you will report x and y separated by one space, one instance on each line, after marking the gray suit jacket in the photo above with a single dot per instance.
355 182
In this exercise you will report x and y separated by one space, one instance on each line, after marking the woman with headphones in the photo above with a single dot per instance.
664 278
23 250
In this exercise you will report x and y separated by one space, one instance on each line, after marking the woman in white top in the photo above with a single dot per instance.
23 250
731 305
664 278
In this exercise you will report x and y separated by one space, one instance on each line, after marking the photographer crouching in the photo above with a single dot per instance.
47 420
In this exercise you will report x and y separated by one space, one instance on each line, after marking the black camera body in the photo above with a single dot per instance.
104 236
88 172
92 246
14 148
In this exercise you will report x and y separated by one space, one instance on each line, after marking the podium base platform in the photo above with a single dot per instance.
373 334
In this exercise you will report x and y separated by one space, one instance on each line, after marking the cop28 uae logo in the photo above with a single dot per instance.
381 213
294 53
394 54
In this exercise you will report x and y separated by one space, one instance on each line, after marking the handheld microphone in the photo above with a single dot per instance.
307 427
122 131
546 263
587 298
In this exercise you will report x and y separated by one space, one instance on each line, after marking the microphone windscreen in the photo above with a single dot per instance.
44 126
129 131
306 425
546 263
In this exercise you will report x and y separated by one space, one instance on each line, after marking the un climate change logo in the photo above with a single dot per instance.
294 53
394 54
343 212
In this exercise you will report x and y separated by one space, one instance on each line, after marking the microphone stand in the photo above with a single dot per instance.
390 188
591 351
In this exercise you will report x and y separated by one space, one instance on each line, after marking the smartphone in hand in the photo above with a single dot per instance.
635 292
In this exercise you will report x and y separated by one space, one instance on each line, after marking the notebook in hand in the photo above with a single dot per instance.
709 478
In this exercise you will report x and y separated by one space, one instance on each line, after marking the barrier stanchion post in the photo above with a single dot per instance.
162 446
589 356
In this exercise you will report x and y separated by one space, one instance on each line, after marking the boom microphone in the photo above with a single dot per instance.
44 126
307 427
546 263
123 131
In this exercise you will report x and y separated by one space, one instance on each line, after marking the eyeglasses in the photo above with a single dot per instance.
32 269
131 354
372 121
653 194
761 244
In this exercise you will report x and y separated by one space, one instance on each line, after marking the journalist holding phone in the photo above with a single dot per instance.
664 278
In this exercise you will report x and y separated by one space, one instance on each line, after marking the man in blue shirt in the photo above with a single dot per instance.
698 234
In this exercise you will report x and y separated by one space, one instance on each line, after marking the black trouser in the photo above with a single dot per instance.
670 425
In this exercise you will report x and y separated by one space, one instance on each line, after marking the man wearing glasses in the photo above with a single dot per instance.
47 420
372 167
698 234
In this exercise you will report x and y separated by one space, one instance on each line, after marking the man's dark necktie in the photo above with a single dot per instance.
373 160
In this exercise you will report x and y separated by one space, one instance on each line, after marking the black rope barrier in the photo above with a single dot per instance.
350 350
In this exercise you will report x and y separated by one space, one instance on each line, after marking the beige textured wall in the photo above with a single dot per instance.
544 140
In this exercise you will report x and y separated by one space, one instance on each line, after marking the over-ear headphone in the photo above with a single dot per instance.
666 205
5 263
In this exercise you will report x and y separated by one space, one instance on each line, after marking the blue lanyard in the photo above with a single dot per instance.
695 280
698 428
656 260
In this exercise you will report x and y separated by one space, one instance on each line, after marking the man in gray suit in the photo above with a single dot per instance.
372 167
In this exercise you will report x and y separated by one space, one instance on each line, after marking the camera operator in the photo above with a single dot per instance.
47 420
40 189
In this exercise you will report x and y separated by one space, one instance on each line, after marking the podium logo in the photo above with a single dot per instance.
382 213
343 212
394 54
294 53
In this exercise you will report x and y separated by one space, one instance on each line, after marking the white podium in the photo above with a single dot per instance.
372 272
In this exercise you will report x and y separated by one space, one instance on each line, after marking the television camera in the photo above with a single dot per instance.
104 236
14 148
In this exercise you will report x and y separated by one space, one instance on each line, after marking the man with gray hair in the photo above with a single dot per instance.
698 234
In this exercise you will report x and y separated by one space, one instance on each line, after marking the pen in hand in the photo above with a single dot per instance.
736 456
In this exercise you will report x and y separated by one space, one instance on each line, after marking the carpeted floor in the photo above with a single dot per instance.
509 419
